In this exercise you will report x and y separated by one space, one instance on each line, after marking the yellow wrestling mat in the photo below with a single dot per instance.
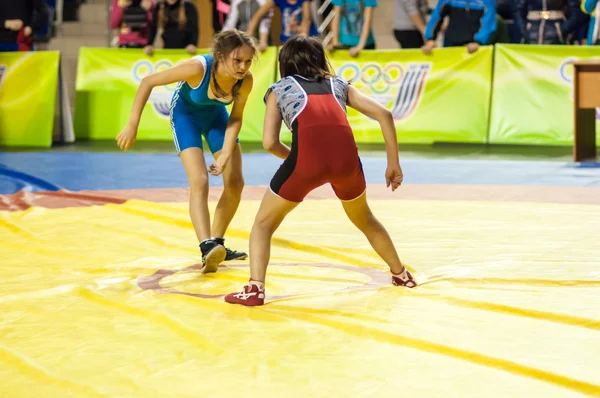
106 301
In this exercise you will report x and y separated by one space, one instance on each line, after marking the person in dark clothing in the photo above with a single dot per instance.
178 19
547 22
472 23
579 34
18 21
514 22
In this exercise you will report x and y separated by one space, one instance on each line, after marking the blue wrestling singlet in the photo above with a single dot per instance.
193 114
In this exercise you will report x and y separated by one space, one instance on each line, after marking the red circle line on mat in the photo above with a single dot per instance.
152 282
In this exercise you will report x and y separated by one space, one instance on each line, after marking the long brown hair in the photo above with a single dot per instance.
304 56
224 43
181 17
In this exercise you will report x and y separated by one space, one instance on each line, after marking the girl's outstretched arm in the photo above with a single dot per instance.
373 109
191 71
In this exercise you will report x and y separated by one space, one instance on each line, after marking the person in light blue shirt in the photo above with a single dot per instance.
591 7
351 26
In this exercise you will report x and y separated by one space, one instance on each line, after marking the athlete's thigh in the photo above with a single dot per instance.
215 133
273 210
291 183
195 167
351 184
187 130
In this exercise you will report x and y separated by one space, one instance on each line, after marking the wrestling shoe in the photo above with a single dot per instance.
231 254
235 255
251 296
404 279
213 254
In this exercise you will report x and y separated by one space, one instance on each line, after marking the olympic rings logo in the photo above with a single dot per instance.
378 79
377 278
396 87
144 68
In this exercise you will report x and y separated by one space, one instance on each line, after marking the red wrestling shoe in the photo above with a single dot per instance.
404 279
251 296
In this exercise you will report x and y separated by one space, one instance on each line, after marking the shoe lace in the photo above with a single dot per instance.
246 293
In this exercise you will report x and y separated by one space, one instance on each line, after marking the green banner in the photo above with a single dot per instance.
442 97
532 100
107 80
28 83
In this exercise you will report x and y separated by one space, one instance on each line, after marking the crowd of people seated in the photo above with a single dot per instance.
417 23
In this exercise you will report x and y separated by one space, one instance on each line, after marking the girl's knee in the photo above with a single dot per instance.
199 184
235 185
266 222
362 220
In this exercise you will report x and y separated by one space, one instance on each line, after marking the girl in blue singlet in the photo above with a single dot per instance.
207 84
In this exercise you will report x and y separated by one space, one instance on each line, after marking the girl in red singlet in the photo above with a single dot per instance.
312 103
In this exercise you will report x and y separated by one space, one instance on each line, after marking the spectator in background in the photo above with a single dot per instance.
314 12
410 18
18 20
240 16
39 18
471 24
220 11
295 18
352 25
178 21
501 33
514 22
579 34
591 7
132 18
547 22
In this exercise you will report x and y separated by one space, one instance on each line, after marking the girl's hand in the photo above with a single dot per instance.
218 167
393 176
126 138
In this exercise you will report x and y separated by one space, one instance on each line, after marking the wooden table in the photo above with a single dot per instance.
586 98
